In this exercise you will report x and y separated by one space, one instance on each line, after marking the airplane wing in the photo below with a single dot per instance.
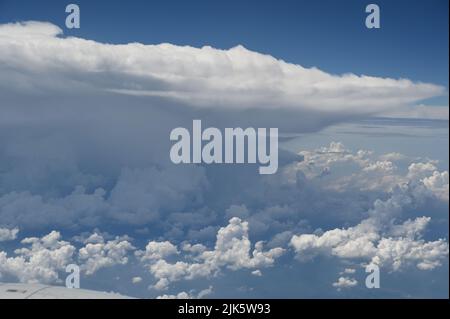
38 291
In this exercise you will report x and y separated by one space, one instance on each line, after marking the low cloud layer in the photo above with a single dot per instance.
394 233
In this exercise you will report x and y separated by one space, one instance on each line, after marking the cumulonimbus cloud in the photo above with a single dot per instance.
36 56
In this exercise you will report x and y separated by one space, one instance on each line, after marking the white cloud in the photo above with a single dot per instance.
379 237
410 228
336 168
205 292
117 132
49 255
191 295
438 184
96 256
402 252
193 249
180 295
257 273
420 170
8 234
39 263
373 190
232 250
385 167
38 57
355 242
345 282
368 241
158 250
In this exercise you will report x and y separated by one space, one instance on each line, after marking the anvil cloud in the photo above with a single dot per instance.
35 56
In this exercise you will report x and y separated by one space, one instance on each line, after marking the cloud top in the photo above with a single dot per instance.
35 56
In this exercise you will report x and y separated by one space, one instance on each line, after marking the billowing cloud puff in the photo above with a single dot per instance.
101 253
438 184
345 282
401 252
378 239
188 295
40 263
36 56
49 256
394 253
158 250
8 234
232 250
337 168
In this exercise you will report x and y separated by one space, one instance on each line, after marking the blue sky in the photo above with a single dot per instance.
85 173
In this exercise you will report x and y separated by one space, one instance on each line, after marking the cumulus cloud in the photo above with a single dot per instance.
379 238
46 259
345 282
333 185
401 252
101 253
180 295
438 184
384 235
232 251
395 253
8 234
40 262
158 250
188 295
337 168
